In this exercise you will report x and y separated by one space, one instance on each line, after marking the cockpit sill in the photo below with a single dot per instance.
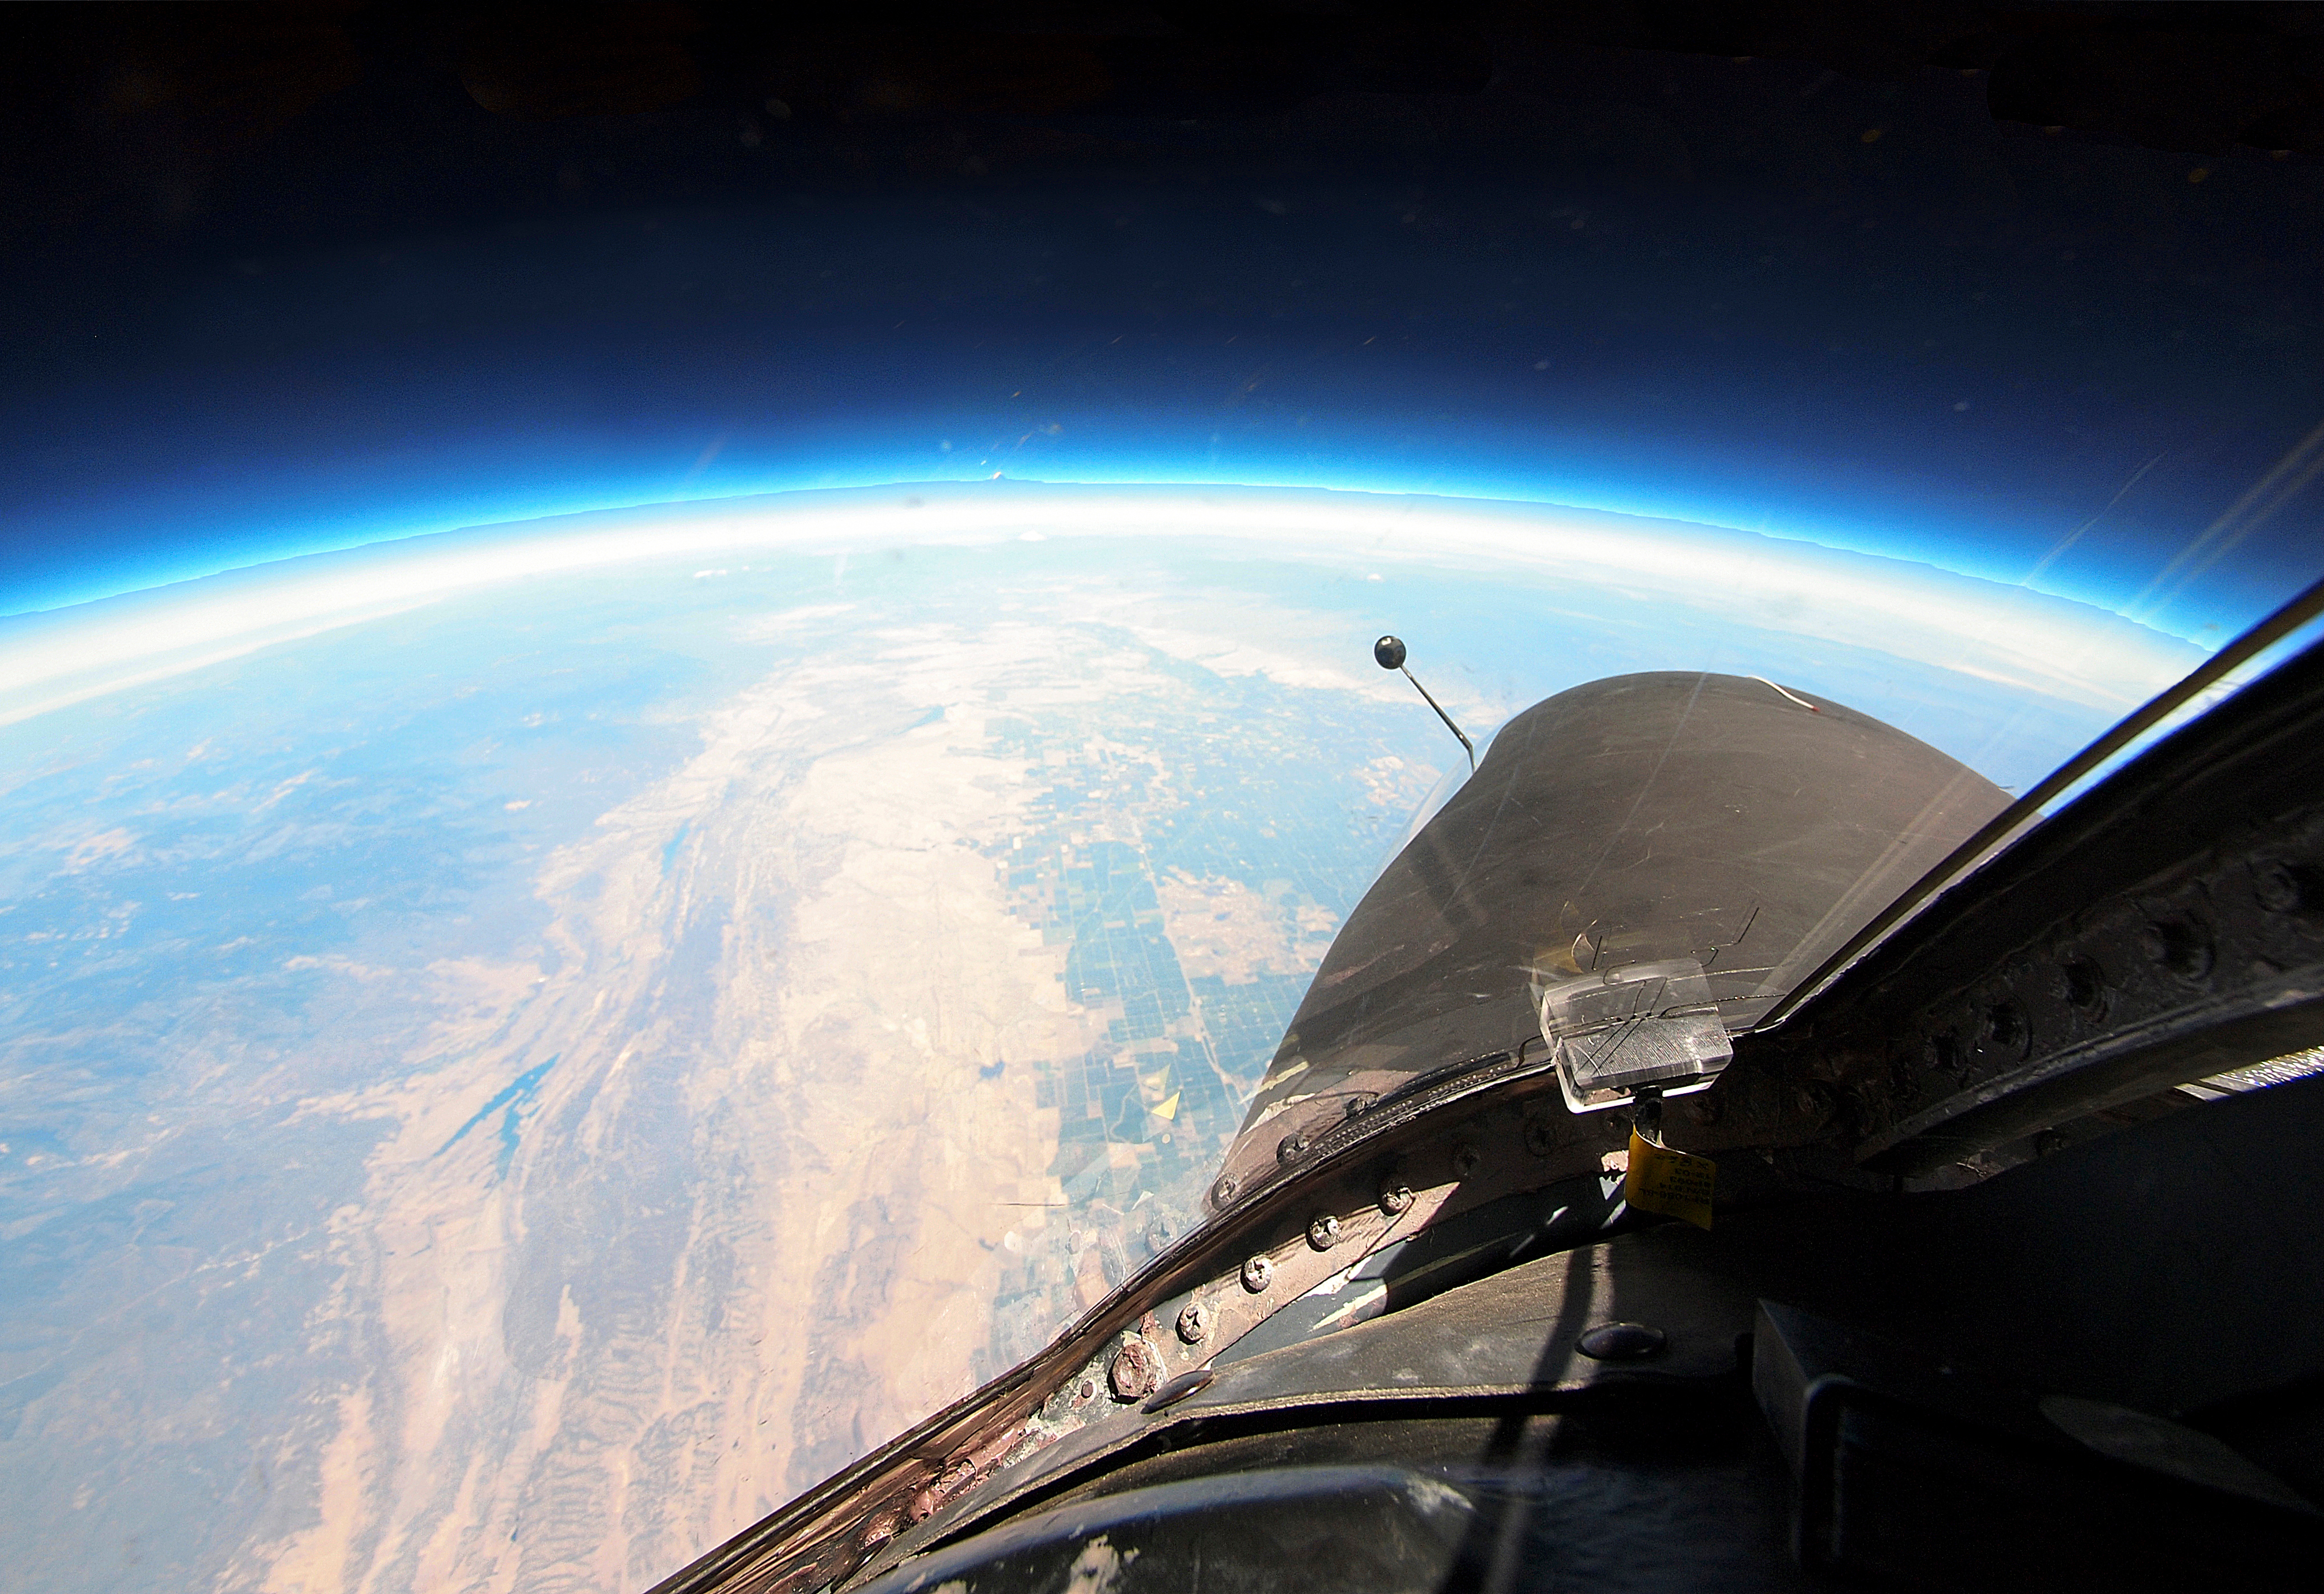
1444 1148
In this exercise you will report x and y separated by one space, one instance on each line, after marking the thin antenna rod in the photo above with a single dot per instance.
1388 653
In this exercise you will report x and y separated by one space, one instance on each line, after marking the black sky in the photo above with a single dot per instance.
1946 272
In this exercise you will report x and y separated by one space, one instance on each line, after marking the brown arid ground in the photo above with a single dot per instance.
750 1225
1224 927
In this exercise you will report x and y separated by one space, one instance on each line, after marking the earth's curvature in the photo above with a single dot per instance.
500 1091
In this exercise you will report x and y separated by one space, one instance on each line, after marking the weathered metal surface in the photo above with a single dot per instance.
828 1533
2167 926
1387 1173
1706 817
1516 1334
1285 1527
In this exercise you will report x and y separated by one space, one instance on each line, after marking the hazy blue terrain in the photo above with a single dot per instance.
502 1094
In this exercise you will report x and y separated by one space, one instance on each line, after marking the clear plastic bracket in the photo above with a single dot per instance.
1650 1027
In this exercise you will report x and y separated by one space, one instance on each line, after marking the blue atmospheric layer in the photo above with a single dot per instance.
189 529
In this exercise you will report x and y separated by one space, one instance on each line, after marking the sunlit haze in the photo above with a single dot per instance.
2008 635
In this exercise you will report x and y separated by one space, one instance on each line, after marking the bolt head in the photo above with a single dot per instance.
1137 1369
1323 1232
1257 1273
1223 1193
1622 1342
2178 947
2280 889
1194 1323
1540 1136
1089 1390
2081 982
1466 1161
2005 1028
1360 1103
1396 1198
1187 1383
1292 1147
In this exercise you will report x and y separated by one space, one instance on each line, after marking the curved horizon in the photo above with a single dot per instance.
2057 645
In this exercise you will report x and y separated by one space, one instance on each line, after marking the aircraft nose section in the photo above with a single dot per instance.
1711 821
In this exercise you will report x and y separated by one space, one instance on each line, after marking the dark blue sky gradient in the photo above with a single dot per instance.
1951 351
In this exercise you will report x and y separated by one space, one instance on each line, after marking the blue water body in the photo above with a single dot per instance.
513 1097
509 1120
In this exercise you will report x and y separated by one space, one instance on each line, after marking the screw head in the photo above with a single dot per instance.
1257 1273
1293 1146
1466 1160
1137 1369
1360 1103
1194 1323
1089 1390
1396 1198
2282 887
2179 946
1540 1136
1187 1383
1621 1342
2081 982
1223 1193
2005 1028
1323 1232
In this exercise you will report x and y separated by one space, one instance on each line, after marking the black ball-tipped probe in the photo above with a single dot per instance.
1389 653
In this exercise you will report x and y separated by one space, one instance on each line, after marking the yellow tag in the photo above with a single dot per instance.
1668 1182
